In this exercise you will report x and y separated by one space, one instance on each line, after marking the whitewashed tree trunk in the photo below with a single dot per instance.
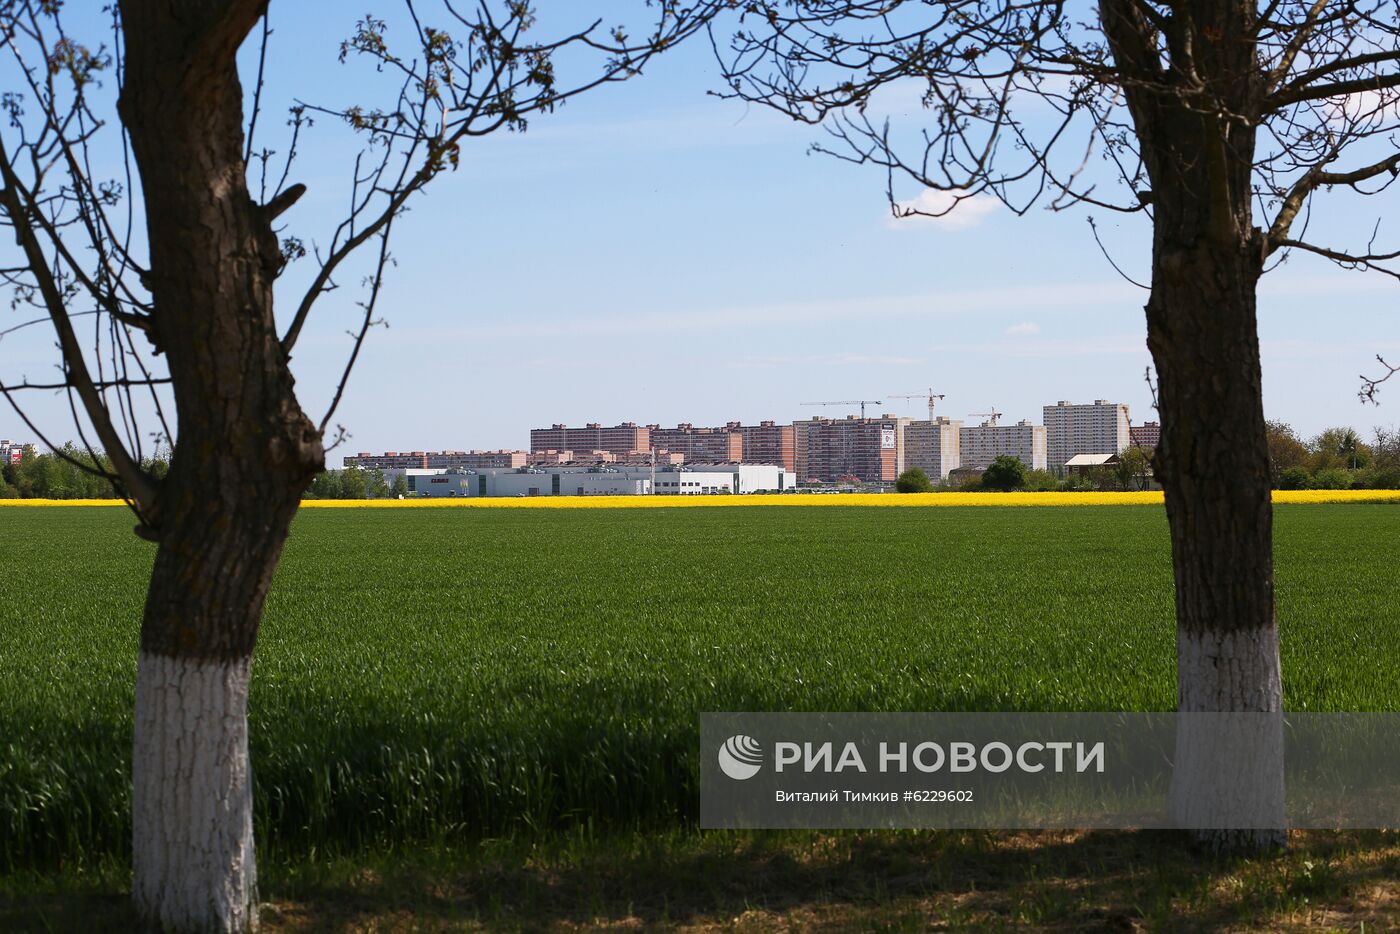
1233 670
1228 781
244 453
1212 459
192 805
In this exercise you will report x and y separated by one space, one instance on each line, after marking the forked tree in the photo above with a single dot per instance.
159 285
1220 121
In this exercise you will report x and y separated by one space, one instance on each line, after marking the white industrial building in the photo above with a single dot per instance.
601 480
934 447
693 479
1100 427
984 443
417 476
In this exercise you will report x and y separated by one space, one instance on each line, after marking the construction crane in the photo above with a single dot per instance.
991 416
932 399
860 402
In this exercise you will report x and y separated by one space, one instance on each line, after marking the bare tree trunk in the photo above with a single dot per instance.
244 455
1214 465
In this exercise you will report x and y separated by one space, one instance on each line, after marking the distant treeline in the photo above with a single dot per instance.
58 476
1337 459
356 484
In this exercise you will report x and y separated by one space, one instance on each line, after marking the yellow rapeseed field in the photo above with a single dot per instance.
790 499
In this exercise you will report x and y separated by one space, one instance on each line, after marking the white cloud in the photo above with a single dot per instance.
945 210
1022 329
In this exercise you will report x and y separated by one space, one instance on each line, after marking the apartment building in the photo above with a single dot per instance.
1100 427
827 449
389 460
707 445
1146 435
11 452
934 447
619 439
984 443
767 443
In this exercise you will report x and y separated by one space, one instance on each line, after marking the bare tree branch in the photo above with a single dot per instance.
1370 386
1018 96
1315 179
460 88
140 486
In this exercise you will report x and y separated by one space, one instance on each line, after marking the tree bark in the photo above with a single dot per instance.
1191 112
244 454
1214 466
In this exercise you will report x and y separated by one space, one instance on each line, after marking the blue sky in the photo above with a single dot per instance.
652 253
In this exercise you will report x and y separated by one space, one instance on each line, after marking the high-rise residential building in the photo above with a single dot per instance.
828 450
619 439
767 443
799 450
1100 427
11 452
1146 435
702 445
984 443
934 447
901 424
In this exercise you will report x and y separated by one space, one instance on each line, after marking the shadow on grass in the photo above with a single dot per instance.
67 912
894 881
884 880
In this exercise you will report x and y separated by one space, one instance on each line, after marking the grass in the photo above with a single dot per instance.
432 677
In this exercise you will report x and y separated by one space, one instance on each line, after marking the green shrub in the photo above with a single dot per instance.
1295 478
913 480
959 482
1376 478
1331 478
1005 473
1078 483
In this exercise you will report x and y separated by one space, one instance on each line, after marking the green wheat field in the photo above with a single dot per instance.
450 674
